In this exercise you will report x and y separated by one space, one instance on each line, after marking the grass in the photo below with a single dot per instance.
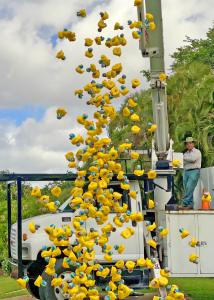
9 288
196 288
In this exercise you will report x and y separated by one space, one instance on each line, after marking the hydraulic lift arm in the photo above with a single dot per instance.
152 46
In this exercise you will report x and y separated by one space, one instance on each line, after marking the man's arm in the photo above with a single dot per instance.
192 157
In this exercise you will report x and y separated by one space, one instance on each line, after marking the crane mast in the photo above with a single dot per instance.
152 46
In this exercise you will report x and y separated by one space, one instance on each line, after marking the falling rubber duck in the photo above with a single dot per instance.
194 258
79 69
135 129
135 83
176 163
82 13
89 53
60 113
163 231
22 282
36 192
127 233
117 26
152 174
150 227
194 242
61 55
32 227
162 77
152 128
151 204
184 233
137 2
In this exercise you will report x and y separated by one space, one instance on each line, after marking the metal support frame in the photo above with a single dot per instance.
9 221
19 226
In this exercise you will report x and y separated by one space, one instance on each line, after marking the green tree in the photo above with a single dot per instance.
196 50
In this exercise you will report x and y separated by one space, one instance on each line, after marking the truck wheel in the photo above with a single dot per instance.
55 293
33 271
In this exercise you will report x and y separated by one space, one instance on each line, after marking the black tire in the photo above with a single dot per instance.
33 271
47 293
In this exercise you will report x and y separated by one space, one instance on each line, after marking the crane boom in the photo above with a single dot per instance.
152 46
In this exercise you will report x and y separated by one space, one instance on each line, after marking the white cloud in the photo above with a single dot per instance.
30 74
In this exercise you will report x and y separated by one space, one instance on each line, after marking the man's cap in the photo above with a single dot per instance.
189 140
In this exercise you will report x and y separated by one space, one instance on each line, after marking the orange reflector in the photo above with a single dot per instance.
24 236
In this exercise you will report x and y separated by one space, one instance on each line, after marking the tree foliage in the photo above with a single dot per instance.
196 50
190 108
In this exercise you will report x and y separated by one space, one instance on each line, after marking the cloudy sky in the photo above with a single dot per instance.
33 83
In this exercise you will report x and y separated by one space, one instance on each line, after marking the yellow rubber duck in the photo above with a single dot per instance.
152 174
154 283
46 253
136 35
194 242
152 128
135 129
135 83
184 233
88 42
89 53
117 51
36 192
56 281
162 77
176 163
22 282
163 281
152 244
101 25
79 69
121 249
137 2
138 172
123 291
141 262
163 231
56 191
132 103
149 17
32 227
152 26
194 258
133 194
124 90
82 13
56 252
51 207
127 233
151 204
165 273
99 40
135 118
151 227
38 281
130 265
61 55
126 112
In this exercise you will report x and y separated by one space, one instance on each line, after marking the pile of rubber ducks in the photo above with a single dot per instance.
96 200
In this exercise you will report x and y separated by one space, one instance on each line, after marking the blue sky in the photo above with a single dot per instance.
18 115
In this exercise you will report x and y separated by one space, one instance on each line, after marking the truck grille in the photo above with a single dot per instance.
13 242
